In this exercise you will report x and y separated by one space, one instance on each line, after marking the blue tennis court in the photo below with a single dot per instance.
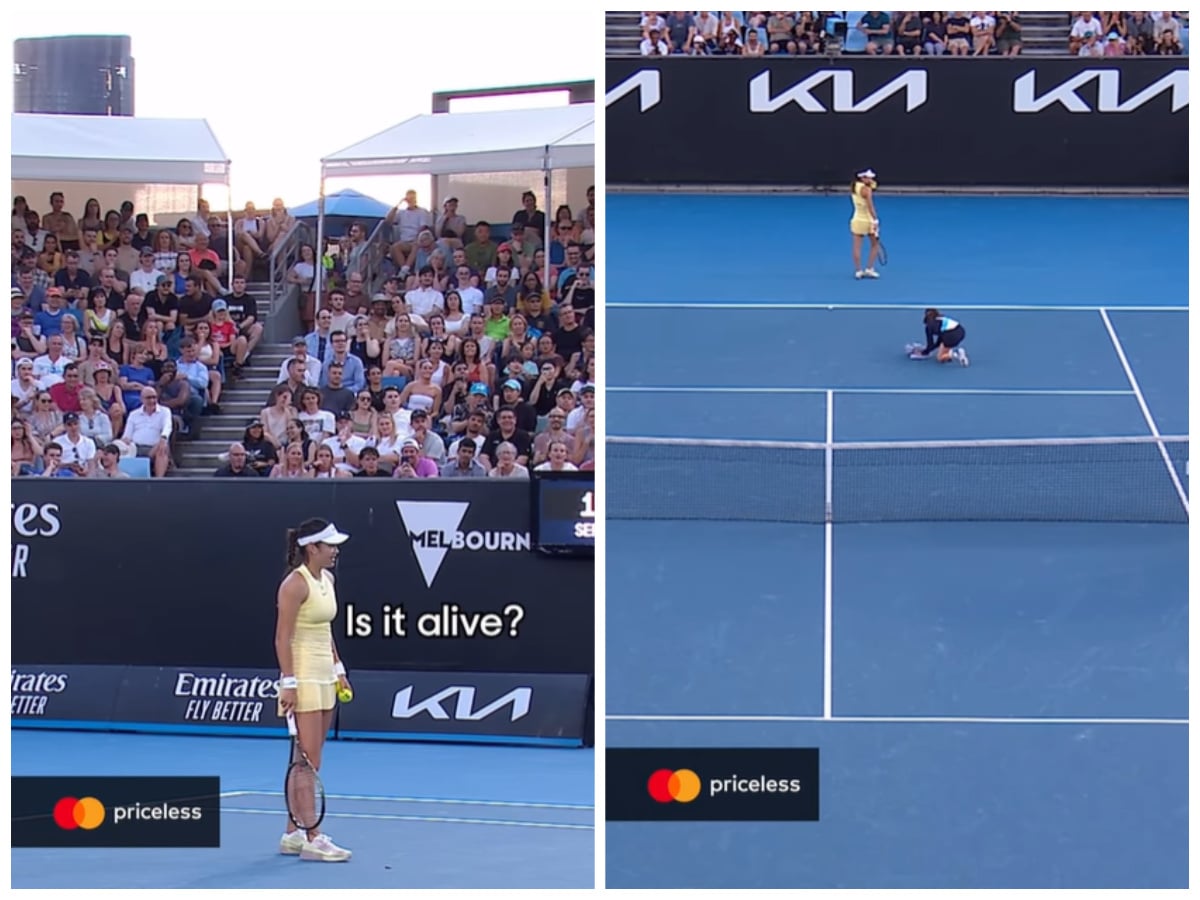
999 704
416 816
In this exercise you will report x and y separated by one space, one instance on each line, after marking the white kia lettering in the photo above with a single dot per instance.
1108 98
519 699
914 83
648 85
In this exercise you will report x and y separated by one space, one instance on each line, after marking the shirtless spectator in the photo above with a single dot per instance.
61 223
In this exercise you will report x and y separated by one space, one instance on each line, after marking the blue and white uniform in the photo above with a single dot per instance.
943 331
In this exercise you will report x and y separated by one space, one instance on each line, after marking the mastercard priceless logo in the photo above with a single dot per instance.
70 813
679 786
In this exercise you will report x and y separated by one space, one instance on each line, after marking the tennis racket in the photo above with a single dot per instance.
302 785
882 250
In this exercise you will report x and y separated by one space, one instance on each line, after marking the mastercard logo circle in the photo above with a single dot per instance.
70 813
680 786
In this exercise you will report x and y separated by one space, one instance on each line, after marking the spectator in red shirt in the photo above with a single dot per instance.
65 394
206 263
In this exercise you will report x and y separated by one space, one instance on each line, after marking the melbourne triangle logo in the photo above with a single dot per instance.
432 527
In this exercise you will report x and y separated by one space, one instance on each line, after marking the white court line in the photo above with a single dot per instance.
1137 391
377 798
449 820
999 392
986 307
908 720
827 695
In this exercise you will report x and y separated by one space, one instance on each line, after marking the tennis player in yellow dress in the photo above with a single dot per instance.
311 673
864 223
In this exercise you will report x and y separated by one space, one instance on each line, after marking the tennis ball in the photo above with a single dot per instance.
345 695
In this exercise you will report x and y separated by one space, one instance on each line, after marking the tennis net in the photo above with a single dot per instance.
1135 479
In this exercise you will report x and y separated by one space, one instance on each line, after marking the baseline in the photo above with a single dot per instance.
1006 392
905 720
783 304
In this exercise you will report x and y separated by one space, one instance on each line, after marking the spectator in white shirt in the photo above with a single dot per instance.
148 430
25 387
654 45
471 296
79 451
50 366
983 28
424 300
506 462
558 461
1086 24
312 365
146 277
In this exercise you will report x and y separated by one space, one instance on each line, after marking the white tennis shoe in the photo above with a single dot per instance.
962 358
324 850
292 843
870 273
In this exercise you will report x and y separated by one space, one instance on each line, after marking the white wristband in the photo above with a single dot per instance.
339 669
288 681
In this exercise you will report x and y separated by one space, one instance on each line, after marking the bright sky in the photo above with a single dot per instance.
282 88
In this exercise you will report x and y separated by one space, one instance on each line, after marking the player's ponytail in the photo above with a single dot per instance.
295 554
931 314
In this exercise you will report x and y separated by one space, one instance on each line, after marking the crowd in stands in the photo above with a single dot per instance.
464 364
122 333
935 33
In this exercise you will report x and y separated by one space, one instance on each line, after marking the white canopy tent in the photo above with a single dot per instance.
119 149
545 139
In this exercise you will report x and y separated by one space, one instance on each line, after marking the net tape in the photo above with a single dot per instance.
1134 479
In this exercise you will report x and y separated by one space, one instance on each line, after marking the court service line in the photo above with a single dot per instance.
985 307
448 820
1153 426
909 720
827 696
983 392
377 798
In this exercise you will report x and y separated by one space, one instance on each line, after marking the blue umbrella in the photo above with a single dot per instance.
347 203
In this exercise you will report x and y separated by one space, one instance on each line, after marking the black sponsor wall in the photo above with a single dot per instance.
151 606
1018 122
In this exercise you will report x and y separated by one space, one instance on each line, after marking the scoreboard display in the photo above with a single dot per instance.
564 512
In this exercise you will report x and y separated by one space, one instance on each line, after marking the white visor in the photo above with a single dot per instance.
867 173
328 535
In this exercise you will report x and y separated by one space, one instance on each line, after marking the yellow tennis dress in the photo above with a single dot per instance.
861 223
312 645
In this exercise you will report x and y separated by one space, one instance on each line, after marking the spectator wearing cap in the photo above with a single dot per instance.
311 371
451 221
511 397
49 320
496 325
556 430
176 393
109 394
78 450
25 387
463 463
65 394
654 45
369 461
475 401
413 464
50 366
142 237
237 464
261 454
430 442
148 430
506 463
507 430
27 343
230 341
145 276
108 464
